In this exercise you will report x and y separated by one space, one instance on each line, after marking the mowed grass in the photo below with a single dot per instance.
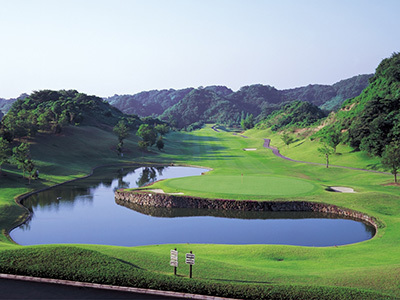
238 186
68 156
347 272
304 149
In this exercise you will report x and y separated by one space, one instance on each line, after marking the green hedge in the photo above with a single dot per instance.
74 263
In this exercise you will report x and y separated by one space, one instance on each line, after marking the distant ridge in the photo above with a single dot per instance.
192 106
5 104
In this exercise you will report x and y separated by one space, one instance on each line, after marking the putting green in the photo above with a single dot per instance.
244 185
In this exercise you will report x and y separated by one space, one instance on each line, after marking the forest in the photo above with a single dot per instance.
219 104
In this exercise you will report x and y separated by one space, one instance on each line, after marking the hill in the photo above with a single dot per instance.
51 111
369 122
330 97
220 104
148 103
5 104
297 113
155 102
372 119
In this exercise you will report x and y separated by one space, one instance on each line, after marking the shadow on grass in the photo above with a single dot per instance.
376 166
299 144
130 264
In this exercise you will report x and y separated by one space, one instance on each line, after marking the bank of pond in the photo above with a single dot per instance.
86 212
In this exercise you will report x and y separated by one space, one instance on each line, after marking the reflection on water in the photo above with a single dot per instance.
84 211
149 175
83 191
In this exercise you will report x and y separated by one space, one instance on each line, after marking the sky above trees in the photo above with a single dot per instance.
107 47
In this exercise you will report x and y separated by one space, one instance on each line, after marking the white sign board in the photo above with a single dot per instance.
174 258
190 258
190 255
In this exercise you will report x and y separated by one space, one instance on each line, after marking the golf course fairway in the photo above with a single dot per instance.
366 270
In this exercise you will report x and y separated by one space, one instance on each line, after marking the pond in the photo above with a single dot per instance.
85 212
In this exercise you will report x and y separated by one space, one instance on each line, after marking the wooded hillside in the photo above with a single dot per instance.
189 108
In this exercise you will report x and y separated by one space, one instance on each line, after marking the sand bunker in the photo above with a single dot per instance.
342 189
250 149
160 191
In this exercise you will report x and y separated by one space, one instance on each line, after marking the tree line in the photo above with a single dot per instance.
150 134
49 112
369 122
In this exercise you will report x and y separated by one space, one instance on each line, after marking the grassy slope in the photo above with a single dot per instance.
373 264
59 158
306 150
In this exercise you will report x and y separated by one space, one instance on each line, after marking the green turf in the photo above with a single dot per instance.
353 271
242 185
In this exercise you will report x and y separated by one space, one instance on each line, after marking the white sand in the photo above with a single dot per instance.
160 191
250 149
342 189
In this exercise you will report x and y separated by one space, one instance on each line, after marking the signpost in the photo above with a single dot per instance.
190 262
174 260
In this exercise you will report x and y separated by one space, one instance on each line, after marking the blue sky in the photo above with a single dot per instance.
107 47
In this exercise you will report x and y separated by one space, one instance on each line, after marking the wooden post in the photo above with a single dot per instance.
190 270
175 268
190 261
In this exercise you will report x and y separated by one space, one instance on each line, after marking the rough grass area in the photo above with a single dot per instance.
367 270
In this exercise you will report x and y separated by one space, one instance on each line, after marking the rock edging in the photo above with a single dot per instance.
148 198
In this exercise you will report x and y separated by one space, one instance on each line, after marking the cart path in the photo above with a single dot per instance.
27 287
277 153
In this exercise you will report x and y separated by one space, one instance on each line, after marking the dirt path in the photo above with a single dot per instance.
277 153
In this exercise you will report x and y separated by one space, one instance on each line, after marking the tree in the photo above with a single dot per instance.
122 132
29 166
19 124
326 150
148 134
5 151
119 149
21 156
143 145
287 139
391 158
160 143
162 129
248 122
333 138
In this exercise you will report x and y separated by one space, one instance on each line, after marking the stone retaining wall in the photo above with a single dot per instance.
148 198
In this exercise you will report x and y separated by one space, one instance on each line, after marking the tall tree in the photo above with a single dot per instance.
143 145
5 151
162 129
160 143
148 134
29 167
248 122
333 138
326 151
122 132
391 158
21 156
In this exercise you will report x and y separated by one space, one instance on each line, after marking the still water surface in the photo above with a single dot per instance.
85 212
